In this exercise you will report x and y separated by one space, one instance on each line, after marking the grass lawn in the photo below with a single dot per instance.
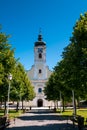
81 112
12 113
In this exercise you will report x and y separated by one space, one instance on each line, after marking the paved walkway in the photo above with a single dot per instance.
41 121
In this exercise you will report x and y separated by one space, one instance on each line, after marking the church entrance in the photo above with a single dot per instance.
40 103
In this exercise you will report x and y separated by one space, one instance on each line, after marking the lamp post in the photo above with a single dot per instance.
9 78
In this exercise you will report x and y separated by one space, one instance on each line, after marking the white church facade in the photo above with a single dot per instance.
39 74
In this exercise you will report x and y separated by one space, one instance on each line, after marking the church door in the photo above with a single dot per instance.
40 103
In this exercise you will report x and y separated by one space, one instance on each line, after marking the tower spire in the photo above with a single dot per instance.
40 35
40 41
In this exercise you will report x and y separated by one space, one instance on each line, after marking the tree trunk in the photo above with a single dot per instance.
5 109
22 105
63 104
75 107
54 106
57 104
78 103
17 108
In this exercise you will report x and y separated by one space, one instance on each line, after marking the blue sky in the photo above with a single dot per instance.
23 18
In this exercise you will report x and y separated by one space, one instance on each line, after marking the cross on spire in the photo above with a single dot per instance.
40 35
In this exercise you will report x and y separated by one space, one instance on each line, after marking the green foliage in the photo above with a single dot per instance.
71 72
75 59
75 56
20 84
1 73
51 90
6 54
7 63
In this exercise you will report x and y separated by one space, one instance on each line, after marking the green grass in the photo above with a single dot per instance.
12 113
1 112
67 112
81 112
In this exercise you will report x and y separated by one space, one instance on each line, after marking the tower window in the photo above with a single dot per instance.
40 71
40 55
39 90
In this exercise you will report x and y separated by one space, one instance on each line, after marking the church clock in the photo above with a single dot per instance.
40 50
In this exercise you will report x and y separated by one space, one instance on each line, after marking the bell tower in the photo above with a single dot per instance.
40 58
39 73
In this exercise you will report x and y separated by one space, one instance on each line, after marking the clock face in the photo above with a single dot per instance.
40 50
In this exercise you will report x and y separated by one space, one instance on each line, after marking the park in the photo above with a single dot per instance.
67 84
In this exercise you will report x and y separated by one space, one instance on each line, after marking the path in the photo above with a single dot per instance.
41 121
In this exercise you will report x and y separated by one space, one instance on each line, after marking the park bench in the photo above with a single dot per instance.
4 122
76 119
85 126
86 121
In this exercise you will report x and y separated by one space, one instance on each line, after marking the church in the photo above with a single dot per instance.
39 74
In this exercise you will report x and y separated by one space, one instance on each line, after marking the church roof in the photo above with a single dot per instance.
40 42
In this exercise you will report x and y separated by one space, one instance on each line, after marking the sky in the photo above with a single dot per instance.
22 19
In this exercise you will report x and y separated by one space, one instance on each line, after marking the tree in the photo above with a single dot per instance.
75 56
71 72
7 63
1 73
21 86
80 40
61 79
50 90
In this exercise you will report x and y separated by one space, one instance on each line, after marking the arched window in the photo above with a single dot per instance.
39 90
40 55
40 71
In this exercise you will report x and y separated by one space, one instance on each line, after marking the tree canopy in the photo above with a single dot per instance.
71 72
20 84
